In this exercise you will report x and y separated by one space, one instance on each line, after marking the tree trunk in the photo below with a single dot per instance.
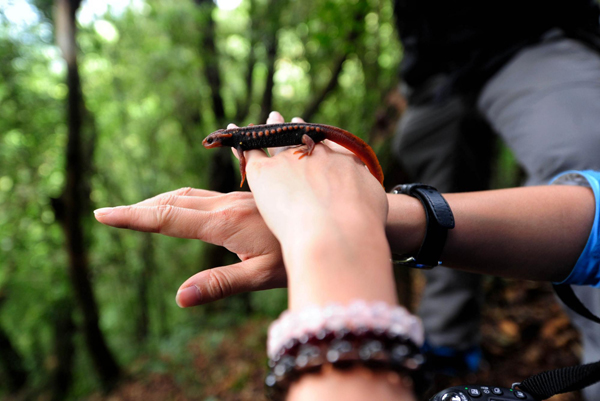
12 364
221 171
243 106
273 18
211 59
64 349
148 269
74 202
11 361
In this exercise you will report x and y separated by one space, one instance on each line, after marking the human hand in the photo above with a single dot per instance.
330 188
328 213
230 220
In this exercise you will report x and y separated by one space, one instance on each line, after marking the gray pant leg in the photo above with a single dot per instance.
432 146
546 105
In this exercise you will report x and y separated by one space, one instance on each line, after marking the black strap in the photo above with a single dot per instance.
567 295
439 219
547 384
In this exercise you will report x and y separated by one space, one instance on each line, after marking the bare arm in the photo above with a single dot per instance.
534 233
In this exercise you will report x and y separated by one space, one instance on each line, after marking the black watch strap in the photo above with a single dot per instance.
439 220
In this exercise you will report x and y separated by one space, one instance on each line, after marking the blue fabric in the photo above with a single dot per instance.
587 268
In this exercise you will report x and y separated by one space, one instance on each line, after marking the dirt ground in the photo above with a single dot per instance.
524 332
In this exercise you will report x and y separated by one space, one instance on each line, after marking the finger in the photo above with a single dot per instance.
298 120
186 192
336 147
207 204
167 220
275 118
276 151
248 152
259 273
231 125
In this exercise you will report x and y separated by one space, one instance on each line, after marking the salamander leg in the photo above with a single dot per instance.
310 146
242 165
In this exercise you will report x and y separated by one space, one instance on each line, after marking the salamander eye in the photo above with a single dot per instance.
209 140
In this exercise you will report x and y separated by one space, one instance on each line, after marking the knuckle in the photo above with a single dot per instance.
225 218
236 213
167 199
164 215
238 196
183 191
218 284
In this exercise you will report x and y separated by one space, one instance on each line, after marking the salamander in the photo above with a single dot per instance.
290 134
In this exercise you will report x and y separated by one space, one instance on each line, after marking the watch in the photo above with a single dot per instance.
439 219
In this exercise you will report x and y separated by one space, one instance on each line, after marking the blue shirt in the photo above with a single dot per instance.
587 268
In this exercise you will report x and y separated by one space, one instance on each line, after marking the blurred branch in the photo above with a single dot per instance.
313 105
355 32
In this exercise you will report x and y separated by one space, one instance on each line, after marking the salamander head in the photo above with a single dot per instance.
217 139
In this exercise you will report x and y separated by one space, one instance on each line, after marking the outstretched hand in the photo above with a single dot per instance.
230 220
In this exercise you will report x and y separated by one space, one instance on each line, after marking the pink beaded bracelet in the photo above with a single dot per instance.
358 317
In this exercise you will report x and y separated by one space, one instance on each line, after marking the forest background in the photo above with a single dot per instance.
104 103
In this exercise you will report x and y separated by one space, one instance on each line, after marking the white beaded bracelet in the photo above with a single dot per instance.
357 316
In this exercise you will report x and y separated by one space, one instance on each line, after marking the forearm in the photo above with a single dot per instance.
334 269
532 233
331 267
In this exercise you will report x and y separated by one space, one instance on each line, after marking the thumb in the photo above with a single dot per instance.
258 273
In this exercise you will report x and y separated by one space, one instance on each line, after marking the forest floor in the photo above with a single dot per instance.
524 331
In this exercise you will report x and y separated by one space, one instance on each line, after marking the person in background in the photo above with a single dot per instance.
528 71
332 242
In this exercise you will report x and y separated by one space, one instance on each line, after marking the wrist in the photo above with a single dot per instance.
406 224
333 268
352 245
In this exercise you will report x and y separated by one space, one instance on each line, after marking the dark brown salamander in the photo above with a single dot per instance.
290 134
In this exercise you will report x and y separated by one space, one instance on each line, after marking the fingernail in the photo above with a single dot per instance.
188 296
103 211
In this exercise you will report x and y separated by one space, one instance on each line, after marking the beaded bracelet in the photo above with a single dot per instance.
357 316
378 336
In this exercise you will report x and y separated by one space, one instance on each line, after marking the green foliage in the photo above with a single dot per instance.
150 101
